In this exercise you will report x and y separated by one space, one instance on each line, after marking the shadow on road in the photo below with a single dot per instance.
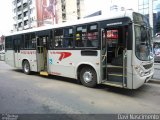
51 77
107 88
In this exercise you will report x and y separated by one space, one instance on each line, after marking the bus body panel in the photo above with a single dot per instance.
17 57
66 62
2 56
30 56
129 69
9 57
40 61
139 78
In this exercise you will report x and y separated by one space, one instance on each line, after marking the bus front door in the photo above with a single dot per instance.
114 56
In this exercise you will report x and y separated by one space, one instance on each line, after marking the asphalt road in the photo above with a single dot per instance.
34 94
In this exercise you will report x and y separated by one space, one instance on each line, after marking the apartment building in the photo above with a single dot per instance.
35 13
68 10
24 14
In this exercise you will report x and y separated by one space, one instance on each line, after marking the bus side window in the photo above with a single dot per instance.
50 41
58 36
92 35
33 39
68 38
80 36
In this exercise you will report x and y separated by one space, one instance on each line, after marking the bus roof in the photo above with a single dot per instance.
76 22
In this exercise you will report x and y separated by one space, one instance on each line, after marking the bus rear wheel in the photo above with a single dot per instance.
26 67
88 77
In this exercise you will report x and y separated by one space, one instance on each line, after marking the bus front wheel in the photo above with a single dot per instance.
88 77
26 67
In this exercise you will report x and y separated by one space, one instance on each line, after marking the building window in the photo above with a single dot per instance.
25 22
19 9
20 16
146 2
63 16
14 2
156 5
30 2
25 5
25 13
31 11
18 1
20 24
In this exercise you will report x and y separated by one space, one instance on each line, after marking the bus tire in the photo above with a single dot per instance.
26 67
88 77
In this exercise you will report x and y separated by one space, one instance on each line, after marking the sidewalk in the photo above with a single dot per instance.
156 76
153 80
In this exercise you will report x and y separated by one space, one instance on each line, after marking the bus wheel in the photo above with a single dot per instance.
26 67
88 77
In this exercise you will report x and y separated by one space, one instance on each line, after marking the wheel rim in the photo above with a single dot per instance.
26 67
87 76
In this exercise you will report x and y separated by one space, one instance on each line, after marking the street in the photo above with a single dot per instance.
34 94
156 75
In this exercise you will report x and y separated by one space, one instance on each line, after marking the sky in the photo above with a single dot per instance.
91 6
6 21
104 5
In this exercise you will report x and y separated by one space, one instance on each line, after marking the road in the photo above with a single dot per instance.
20 93
156 75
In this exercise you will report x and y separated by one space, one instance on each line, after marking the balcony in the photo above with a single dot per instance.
19 12
26 26
20 20
25 1
25 9
25 18
20 28
18 4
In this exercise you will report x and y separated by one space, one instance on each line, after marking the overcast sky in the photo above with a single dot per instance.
5 16
6 19
95 5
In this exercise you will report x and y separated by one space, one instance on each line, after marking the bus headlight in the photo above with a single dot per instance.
140 71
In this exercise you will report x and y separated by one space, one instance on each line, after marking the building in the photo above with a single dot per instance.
24 14
35 13
151 9
94 14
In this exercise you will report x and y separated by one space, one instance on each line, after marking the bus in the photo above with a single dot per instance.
81 50
156 51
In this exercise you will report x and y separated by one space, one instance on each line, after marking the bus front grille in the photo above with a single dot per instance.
148 66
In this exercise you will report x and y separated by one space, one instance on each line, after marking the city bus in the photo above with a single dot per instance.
156 51
84 51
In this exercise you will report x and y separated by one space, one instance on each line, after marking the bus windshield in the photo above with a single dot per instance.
143 43
143 47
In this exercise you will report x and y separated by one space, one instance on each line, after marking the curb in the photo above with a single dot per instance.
157 81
